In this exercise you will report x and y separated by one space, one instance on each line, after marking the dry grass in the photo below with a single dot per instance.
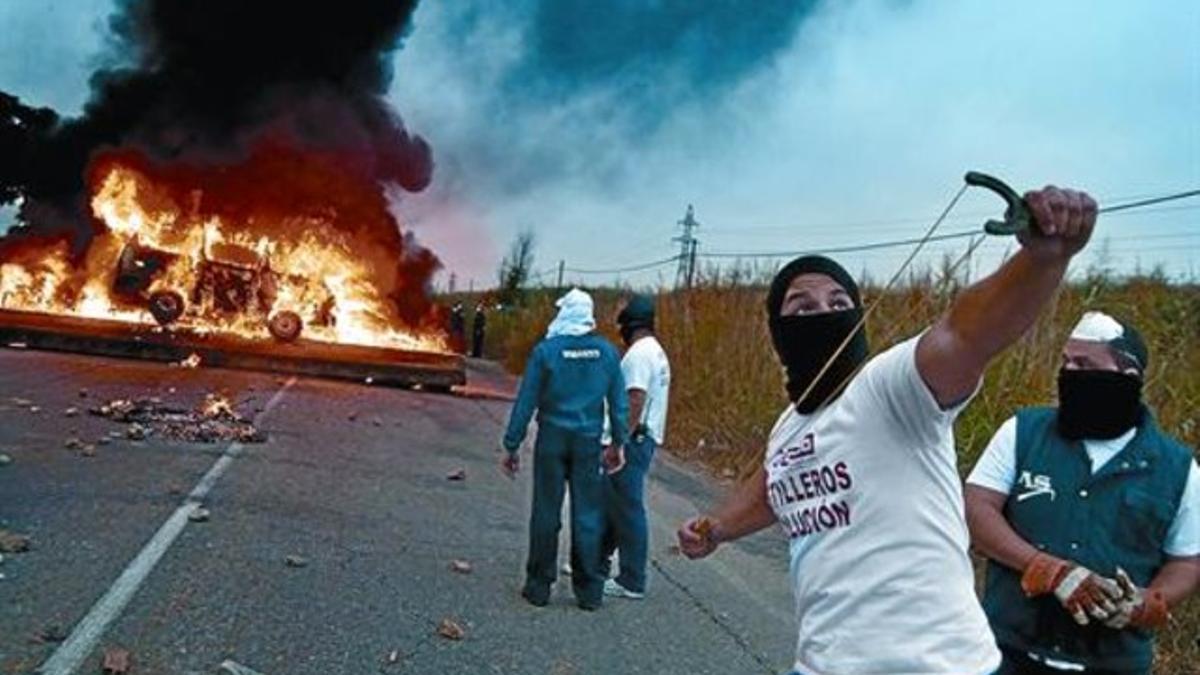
728 387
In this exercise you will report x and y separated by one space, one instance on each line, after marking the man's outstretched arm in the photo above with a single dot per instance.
992 314
746 511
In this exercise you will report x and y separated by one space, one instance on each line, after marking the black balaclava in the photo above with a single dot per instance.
805 343
1103 404
638 314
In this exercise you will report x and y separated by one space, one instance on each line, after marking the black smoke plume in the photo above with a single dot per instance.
204 80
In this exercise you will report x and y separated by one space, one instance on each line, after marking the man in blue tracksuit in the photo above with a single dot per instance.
569 378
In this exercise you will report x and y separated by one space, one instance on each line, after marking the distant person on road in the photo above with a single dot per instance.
1089 514
647 375
478 331
860 469
458 328
572 378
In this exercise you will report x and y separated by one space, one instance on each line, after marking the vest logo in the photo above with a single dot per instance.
581 353
1034 486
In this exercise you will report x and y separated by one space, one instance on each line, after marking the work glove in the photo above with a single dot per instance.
1083 593
1138 607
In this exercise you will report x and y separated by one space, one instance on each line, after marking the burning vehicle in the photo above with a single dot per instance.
228 191
243 284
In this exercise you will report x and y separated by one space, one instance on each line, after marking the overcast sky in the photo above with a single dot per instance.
789 125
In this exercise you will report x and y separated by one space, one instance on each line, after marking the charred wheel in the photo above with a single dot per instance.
166 307
285 326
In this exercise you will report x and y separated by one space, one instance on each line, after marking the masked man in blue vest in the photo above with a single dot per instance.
570 377
1089 514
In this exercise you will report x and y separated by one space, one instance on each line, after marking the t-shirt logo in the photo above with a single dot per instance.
1034 486
804 451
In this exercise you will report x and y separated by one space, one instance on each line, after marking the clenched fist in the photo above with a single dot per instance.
1065 220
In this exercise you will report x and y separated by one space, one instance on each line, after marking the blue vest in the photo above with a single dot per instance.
1118 517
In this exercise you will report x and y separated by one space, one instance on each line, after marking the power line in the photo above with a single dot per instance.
872 246
632 268
941 237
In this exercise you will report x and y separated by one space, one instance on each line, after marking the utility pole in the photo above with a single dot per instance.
687 249
562 265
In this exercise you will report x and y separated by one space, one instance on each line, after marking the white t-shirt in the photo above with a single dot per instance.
868 492
645 367
997 470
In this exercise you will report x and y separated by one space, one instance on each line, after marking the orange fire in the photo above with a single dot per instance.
280 246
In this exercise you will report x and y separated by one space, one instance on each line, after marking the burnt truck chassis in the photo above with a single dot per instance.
223 287
433 371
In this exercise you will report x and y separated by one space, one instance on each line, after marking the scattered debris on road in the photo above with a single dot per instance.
214 421
73 443
457 474
71 412
83 392
5 460
394 655
451 630
116 662
235 668
21 402
352 416
88 450
296 561
12 542
460 566
199 515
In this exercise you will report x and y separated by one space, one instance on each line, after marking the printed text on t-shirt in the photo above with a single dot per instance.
808 497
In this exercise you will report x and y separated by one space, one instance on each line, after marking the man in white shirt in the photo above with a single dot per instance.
647 375
860 470
1089 514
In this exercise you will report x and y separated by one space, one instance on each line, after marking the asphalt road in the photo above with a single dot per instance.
353 479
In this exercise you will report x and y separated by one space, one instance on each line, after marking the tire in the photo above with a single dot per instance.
166 307
285 326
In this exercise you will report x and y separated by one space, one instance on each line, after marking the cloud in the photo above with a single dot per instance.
856 112
596 128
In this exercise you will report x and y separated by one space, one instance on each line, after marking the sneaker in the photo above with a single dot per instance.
616 590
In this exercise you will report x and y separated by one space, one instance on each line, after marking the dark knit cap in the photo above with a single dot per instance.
809 264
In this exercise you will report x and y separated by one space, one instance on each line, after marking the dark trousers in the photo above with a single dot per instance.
1017 662
561 459
626 529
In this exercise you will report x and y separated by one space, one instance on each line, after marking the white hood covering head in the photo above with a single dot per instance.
575 315
1097 327
1121 337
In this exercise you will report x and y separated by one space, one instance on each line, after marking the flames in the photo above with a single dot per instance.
280 246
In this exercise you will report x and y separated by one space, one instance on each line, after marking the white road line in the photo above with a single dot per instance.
87 633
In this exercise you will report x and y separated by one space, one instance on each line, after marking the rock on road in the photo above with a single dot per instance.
352 486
